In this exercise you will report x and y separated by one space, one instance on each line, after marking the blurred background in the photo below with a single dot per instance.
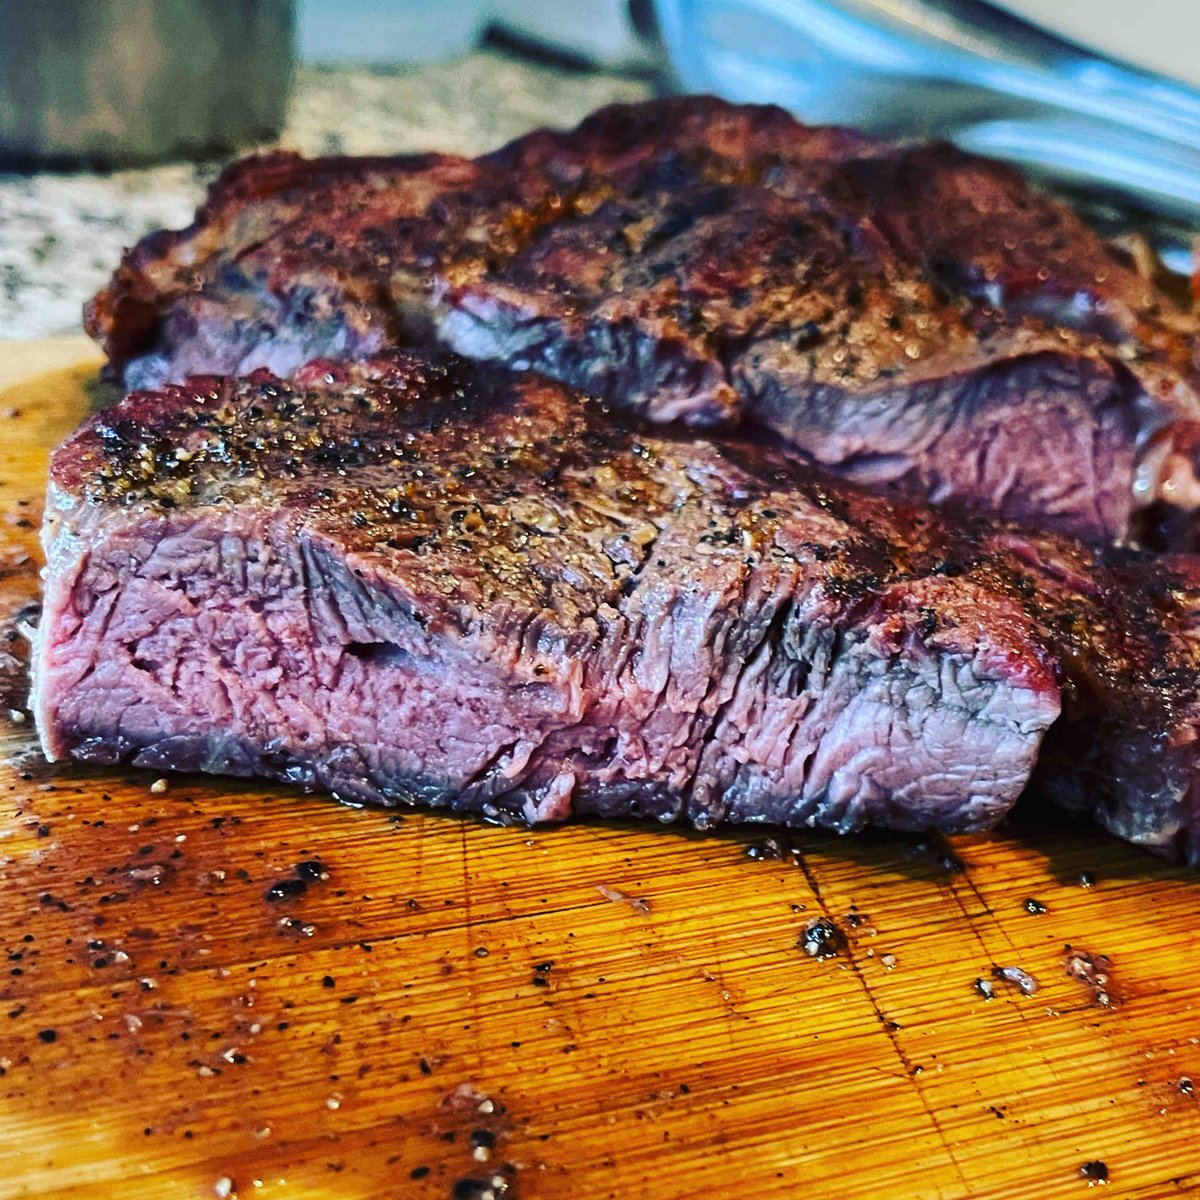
114 114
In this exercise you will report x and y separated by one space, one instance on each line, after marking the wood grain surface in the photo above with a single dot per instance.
591 1011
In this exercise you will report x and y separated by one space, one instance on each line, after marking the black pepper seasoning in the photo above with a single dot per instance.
285 889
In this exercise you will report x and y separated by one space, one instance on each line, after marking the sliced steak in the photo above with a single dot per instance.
1129 642
482 592
910 316
410 581
288 260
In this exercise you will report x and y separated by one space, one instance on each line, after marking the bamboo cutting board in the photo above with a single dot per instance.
580 1012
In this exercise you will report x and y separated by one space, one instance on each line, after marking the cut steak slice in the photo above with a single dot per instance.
908 315
423 584
411 581
264 280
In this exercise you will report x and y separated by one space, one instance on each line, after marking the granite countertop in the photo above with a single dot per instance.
61 235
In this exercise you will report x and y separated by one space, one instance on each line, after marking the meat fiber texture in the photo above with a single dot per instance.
414 582
910 316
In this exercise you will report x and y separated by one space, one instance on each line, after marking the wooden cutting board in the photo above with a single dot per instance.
579 1012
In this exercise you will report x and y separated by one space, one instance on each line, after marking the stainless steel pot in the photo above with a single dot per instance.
119 82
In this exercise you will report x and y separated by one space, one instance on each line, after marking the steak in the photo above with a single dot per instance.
479 591
907 315
414 581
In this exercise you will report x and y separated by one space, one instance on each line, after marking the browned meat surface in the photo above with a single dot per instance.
409 581
909 316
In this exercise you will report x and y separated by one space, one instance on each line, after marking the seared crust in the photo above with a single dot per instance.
643 605
908 315
410 580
